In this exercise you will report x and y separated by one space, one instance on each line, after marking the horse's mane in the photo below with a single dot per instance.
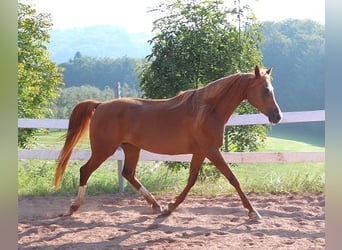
201 102
185 99
220 86
212 89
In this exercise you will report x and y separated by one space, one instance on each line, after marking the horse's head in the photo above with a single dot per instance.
260 94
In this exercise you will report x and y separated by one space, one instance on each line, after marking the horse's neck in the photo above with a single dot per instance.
231 97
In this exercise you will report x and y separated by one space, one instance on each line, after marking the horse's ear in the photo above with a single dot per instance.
269 71
257 72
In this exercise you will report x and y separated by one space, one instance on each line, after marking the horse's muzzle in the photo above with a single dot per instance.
275 116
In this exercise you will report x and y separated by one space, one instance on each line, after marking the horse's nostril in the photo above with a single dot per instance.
275 117
278 117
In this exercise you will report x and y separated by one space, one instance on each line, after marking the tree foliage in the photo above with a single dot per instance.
71 96
38 77
102 72
197 42
296 49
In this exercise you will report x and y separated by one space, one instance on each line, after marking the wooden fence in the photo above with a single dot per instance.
233 157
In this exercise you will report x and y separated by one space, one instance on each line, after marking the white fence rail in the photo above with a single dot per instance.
234 157
289 117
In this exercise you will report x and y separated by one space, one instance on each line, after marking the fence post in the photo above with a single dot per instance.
117 94
121 179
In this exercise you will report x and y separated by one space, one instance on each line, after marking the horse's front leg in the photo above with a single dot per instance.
216 158
195 165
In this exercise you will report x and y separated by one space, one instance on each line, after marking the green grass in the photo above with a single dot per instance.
311 138
35 177
274 144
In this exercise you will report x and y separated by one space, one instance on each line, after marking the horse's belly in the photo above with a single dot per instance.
164 144
167 149
159 131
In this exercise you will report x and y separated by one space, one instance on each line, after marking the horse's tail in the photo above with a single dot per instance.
78 124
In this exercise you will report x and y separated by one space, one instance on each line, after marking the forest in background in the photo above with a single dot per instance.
102 55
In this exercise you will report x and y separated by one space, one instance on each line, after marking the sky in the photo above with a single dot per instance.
133 15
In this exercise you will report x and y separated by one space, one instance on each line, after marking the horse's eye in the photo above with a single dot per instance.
267 91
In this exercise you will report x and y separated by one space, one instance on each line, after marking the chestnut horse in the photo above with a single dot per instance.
189 123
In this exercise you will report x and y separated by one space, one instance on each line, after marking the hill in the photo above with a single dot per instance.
97 41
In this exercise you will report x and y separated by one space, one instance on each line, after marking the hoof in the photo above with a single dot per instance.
166 212
73 208
157 209
169 209
254 215
170 206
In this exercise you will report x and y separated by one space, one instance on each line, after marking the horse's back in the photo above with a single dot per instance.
153 125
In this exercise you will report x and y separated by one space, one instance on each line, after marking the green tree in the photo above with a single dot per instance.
102 72
299 46
194 44
71 96
198 41
296 50
39 78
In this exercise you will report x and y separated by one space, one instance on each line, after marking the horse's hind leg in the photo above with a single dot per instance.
195 165
86 170
131 161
